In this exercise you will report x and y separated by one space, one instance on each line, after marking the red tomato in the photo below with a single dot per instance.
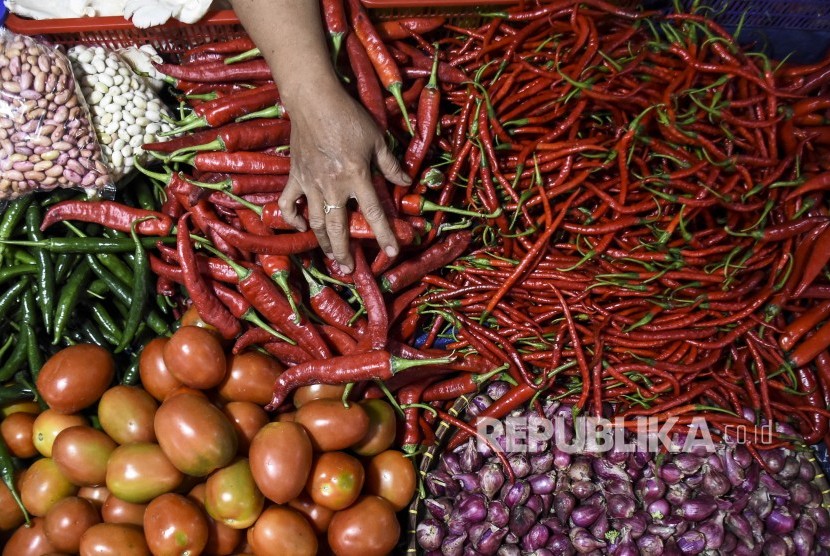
155 376
67 521
391 476
336 480
280 458
280 531
16 430
250 378
367 528
195 357
174 525
75 377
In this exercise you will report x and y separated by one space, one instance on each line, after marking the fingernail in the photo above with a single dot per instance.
301 227
330 255
345 269
391 251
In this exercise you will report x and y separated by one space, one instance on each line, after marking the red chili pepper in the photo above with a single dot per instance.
420 61
287 354
334 16
331 308
281 244
241 162
809 348
395 29
207 135
382 60
243 184
216 113
372 365
377 329
816 263
207 304
368 87
429 109
110 214
218 72
803 324
253 135
232 46
342 342
438 255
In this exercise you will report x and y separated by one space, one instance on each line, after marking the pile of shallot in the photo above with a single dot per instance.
619 502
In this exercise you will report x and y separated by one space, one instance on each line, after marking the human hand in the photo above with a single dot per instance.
334 143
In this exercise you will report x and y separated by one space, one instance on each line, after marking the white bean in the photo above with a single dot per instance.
106 119
152 116
101 87
99 65
117 159
118 144
122 134
84 55
137 141
127 151
142 121
112 108
95 97
106 79
134 129
153 128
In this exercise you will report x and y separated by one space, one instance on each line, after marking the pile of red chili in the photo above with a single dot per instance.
648 222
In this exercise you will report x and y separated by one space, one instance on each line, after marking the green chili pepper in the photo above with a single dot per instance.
156 323
15 392
7 474
131 375
86 245
11 218
144 194
69 296
141 270
64 263
91 334
33 353
12 295
10 272
17 357
46 270
106 324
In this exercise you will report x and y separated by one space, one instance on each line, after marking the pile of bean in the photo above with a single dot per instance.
46 139
126 112
619 502
71 285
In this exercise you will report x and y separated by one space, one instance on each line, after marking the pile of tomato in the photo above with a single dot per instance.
190 463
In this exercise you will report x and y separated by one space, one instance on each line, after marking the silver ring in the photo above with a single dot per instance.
327 208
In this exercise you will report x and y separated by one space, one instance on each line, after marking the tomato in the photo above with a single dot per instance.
10 513
336 480
29 541
48 425
16 430
96 495
232 497
367 528
195 434
247 419
331 425
392 476
191 317
155 376
280 459
20 407
195 357
67 520
382 428
280 531
175 525
114 539
250 378
140 471
305 394
116 510
42 485
319 516
75 377
222 540
81 454
126 414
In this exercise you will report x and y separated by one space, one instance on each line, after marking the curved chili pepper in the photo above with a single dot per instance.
377 328
344 369
110 214
218 72
402 28
207 304
441 253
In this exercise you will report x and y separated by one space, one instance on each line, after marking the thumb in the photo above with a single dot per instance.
389 166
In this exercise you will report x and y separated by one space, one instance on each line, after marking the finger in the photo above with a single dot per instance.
288 204
317 221
389 165
374 214
337 229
